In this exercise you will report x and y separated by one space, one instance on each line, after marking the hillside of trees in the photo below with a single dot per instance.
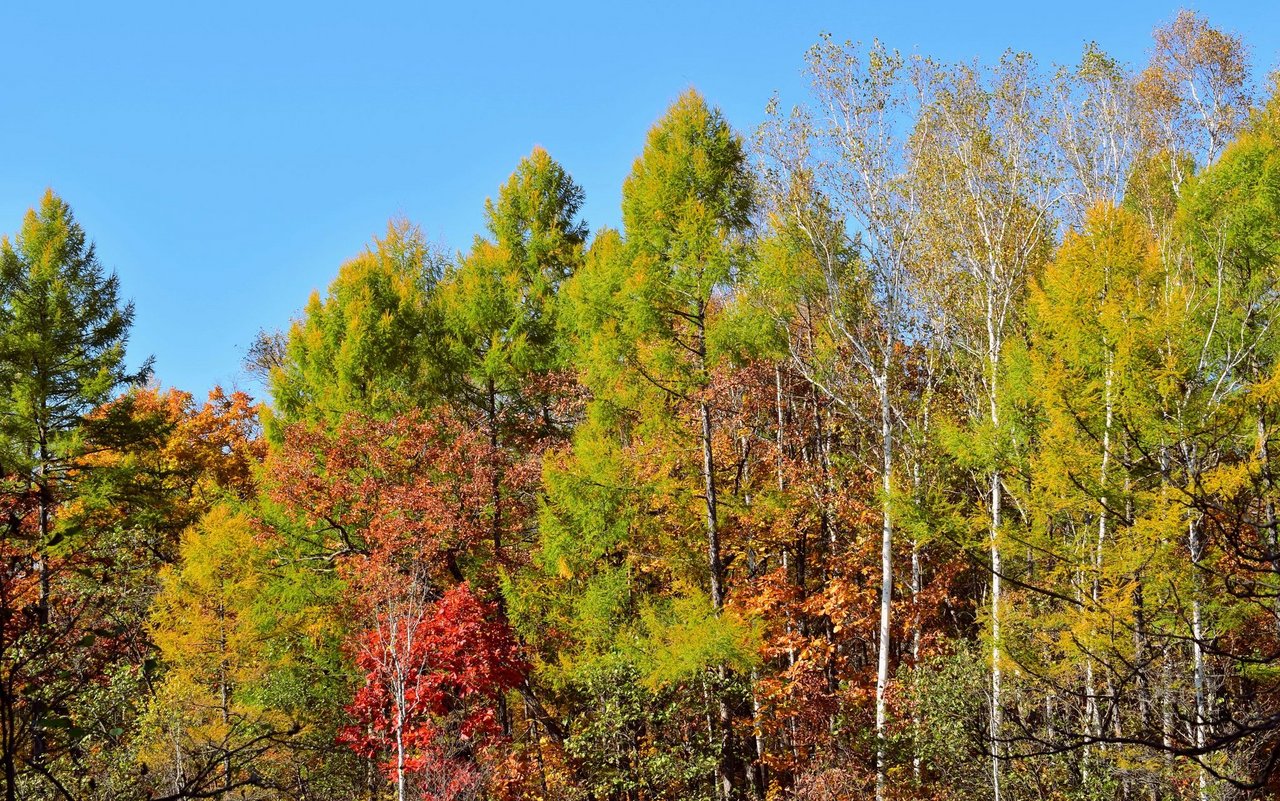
913 446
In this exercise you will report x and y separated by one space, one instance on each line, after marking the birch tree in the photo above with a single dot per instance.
981 149
850 146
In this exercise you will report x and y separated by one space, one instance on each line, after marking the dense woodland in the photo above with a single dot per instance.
914 446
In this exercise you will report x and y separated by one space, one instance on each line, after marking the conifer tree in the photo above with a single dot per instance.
372 344
63 330
645 313
686 213
500 314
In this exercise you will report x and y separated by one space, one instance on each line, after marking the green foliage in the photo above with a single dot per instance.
372 344
966 325
628 740
500 301
64 326
948 719
63 330
202 625
686 212
253 674
683 638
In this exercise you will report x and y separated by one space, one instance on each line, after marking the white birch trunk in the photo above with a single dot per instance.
886 577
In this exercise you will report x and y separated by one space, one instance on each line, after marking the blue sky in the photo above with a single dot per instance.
228 157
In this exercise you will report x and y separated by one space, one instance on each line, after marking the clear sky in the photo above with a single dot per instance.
228 156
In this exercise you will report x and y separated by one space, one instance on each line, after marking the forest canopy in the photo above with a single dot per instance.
915 445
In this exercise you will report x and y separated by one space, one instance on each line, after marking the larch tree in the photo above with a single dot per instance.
1094 331
686 213
686 210
205 732
372 344
501 318
63 330
639 494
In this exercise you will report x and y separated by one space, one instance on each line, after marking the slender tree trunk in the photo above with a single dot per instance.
1092 716
726 765
45 512
495 498
916 585
886 574
224 692
41 567
495 482
1197 655
758 772
1090 699
996 723
996 677
1269 508
9 744
399 727
225 709
917 569
370 779
712 523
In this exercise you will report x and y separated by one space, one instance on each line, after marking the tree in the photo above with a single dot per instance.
62 339
500 313
841 183
63 331
981 156
372 344
366 518
370 486
686 210
1194 88
203 731
1098 122
433 669
1096 322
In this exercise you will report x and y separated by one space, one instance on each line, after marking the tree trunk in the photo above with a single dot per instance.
1093 719
726 767
225 708
400 761
1269 507
996 712
712 524
886 575
41 567
44 514
1197 655
9 745
495 482
993 359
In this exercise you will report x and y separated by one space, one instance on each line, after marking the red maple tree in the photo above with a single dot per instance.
433 669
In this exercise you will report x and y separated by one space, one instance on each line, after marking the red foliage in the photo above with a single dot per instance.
382 488
432 672
405 510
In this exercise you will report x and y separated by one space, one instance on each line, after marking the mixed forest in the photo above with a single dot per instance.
915 445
